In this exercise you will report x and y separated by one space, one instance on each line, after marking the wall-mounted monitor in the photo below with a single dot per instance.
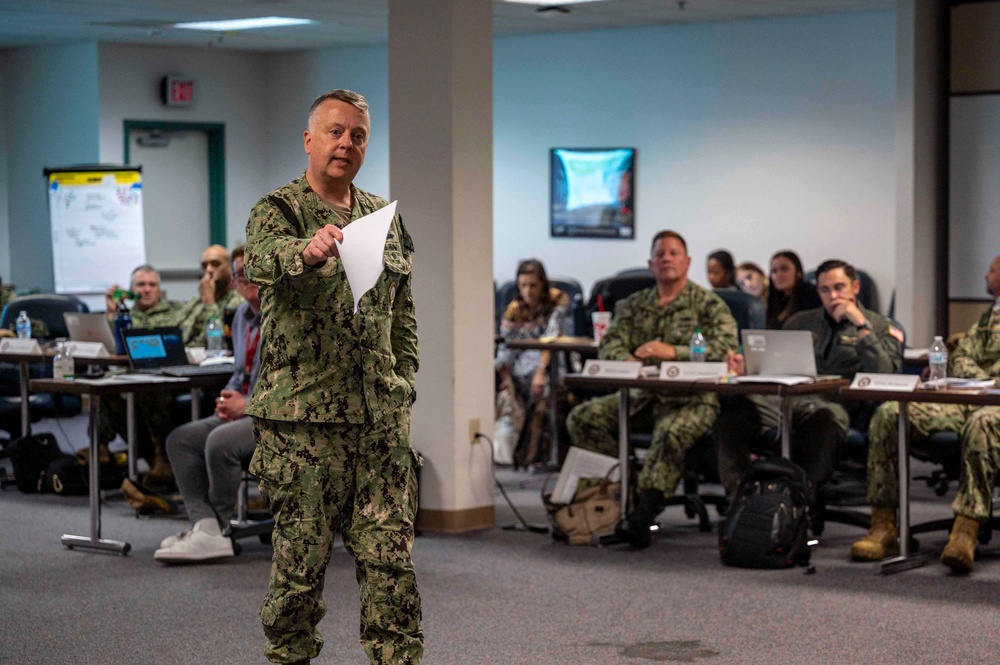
592 193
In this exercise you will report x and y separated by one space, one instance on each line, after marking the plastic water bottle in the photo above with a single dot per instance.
697 346
23 325
62 362
215 345
123 321
938 360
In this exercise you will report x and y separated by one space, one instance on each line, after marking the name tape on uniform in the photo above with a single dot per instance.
902 383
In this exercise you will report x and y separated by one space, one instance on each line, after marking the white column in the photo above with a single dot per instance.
921 169
440 156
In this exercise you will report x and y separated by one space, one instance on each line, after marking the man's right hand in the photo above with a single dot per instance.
110 304
323 245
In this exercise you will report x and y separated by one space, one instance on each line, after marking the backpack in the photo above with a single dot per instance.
767 522
30 456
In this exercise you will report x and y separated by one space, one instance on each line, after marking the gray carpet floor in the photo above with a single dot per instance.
495 596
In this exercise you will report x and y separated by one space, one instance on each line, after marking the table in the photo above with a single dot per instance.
585 346
95 391
689 387
25 359
906 560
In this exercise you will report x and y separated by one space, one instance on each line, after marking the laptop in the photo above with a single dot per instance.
161 351
779 352
90 328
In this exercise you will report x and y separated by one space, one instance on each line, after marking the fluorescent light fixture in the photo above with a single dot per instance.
244 23
550 2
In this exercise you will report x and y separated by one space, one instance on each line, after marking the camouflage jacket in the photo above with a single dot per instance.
978 354
320 362
640 318
195 314
840 351
163 313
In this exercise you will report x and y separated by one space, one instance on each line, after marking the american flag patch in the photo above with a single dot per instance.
897 333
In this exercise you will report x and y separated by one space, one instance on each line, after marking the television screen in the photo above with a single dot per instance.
592 193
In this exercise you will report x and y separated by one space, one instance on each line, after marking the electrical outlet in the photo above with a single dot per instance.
473 429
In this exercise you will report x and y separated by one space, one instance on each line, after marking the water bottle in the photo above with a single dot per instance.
697 346
62 362
23 325
938 360
215 345
123 321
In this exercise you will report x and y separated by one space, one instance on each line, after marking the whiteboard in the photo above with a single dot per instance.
974 195
97 228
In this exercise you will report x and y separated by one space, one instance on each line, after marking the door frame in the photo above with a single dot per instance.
216 133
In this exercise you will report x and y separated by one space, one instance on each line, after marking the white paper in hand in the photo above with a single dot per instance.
362 250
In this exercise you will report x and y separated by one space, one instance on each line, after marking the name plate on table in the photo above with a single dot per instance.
87 349
20 345
903 383
612 369
673 370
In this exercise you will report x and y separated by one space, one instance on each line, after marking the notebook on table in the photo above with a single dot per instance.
774 354
90 328
161 351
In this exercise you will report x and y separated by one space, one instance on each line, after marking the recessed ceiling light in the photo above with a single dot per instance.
244 23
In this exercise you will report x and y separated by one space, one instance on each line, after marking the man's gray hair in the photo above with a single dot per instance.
346 96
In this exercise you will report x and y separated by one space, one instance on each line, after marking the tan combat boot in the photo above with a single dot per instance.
960 551
160 472
882 540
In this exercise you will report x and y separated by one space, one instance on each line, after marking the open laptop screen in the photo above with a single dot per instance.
150 348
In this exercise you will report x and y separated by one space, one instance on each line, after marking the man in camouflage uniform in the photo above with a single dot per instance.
216 295
331 409
847 338
154 420
977 357
652 326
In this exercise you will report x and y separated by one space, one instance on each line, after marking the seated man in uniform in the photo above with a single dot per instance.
847 339
215 295
652 326
977 357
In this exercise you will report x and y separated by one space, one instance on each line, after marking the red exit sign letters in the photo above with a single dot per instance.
177 91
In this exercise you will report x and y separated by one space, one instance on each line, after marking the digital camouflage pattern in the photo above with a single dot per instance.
193 316
319 361
978 357
316 476
331 415
677 421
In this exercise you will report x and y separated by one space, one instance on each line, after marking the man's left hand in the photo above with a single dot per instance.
848 309
656 350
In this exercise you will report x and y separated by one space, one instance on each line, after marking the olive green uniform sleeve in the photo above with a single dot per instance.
978 354
840 349
195 314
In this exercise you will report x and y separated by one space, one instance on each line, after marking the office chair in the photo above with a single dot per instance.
867 296
48 308
748 310
243 526
612 289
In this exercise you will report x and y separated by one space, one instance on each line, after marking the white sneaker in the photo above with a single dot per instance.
170 540
202 543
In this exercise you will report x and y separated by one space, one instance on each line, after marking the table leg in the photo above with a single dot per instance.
786 428
905 560
25 405
195 404
623 448
554 410
131 435
95 541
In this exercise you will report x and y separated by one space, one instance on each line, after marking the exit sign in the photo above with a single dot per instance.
178 92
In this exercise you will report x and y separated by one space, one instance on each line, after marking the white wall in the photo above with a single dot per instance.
752 136
229 88
5 78
51 113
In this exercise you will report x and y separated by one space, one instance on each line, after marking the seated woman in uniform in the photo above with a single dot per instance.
538 310
721 270
788 291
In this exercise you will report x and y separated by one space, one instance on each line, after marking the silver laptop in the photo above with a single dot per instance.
90 328
774 352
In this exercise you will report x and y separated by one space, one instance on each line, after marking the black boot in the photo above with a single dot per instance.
634 529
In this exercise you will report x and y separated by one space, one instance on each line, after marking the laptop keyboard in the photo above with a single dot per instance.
198 370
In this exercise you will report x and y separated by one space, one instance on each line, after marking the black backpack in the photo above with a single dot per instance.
30 456
767 522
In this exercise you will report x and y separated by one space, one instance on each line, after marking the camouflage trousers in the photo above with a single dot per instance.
153 419
676 426
979 428
317 477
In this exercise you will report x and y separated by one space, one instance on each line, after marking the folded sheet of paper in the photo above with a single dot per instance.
362 250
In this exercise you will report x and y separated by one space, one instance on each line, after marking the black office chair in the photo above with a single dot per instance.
247 523
867 296
612 289
48 309
748 310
